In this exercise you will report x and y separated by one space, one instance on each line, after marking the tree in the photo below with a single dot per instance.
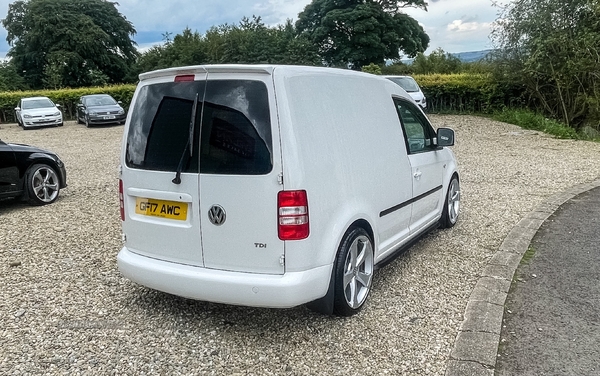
371 68
437 62
250 42
360 32
69 42
10 80
553 48
187 48
397 68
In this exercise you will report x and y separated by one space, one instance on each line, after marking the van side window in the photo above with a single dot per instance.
232 132
418 132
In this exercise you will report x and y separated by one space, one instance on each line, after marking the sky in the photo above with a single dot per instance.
453 25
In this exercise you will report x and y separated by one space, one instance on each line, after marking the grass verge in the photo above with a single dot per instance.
530 120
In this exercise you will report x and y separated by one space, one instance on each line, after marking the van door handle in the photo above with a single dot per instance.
417 175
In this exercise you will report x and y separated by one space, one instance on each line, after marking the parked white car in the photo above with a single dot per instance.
38 112
411 87
276 186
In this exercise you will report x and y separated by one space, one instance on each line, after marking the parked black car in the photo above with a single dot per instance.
34 174
99 109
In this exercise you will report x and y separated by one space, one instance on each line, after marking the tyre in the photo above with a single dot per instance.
353 272
87 122
78 119
451 205
42 184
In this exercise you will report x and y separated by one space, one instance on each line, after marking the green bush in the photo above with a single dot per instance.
468 92
67 98
371 68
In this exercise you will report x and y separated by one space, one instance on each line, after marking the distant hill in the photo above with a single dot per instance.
469 57
465 57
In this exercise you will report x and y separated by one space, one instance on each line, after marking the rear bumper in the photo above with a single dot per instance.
219 286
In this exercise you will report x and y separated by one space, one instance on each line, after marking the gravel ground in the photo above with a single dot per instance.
66 310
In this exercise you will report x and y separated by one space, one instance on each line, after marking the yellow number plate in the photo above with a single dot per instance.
161 208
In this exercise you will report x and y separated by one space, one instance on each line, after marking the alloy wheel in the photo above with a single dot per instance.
45 184
358 271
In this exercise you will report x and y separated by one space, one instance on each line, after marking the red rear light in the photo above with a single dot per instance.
292 215
185 78
121 200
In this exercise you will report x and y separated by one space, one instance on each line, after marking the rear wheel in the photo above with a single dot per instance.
353 272
451 205
42 184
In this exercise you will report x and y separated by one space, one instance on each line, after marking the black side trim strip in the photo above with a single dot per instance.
414 199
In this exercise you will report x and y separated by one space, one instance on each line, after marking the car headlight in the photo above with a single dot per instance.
56 113
93 113
26 116
121 112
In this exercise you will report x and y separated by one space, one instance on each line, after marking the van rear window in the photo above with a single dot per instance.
231 124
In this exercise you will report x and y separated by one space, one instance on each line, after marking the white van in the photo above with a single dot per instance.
276 186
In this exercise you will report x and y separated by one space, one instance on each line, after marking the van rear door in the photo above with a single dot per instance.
240 165
162 215
229 171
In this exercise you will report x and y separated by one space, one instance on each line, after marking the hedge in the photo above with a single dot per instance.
466 92
67 98
445 93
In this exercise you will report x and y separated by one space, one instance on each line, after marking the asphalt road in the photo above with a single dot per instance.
552 313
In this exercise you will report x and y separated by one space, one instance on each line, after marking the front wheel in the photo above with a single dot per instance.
451 205
353 272
42 184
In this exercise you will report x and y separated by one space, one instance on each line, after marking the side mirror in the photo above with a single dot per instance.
445 137
119 102
17 108
57 105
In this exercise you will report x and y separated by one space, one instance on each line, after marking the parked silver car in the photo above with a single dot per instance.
411 87
38 112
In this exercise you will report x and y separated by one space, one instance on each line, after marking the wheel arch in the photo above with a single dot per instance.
38 158
365 225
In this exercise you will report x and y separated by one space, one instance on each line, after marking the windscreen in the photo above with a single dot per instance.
232 128
104 100
37 103
407 83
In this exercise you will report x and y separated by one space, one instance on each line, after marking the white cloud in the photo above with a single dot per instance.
459 25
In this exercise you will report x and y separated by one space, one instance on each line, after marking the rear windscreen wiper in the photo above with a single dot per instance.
188 146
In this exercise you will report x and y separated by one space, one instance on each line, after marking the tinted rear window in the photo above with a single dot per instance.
232 131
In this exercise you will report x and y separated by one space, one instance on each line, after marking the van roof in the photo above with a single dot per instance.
267 69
